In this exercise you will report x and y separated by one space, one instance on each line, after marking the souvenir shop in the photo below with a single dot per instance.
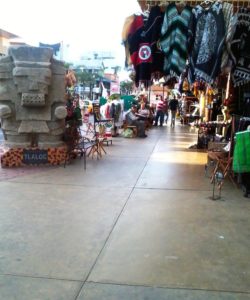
202 48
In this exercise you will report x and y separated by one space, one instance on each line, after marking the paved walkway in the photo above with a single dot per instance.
137 224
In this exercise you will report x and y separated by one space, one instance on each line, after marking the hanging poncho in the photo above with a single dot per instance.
173 41
240 48
207 33
145 55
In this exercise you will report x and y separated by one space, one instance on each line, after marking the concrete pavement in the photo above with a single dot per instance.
137 224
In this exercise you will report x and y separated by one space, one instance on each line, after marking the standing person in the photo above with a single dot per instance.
160 111
173 106
77 110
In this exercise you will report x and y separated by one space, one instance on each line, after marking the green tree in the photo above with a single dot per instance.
84 77
126 87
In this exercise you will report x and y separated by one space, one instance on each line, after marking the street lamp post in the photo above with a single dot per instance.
92 84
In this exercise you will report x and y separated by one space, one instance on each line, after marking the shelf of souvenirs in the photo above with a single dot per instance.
242 124
213 124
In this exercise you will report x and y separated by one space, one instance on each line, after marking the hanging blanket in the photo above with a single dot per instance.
206 39
173 40
240 48
241 156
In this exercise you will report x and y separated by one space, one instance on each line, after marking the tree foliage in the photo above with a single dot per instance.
85 77
126 87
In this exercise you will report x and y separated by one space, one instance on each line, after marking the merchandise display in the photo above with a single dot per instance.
201 49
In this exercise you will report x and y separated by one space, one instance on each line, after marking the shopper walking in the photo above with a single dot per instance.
160 111
173 106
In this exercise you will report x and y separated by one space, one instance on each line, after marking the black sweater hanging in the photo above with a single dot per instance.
147 59
240 48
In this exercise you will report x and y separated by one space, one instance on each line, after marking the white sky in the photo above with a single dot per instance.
84 25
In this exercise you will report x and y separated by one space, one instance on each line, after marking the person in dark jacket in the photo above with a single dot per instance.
173 106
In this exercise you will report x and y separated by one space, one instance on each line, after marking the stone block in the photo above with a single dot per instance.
33 127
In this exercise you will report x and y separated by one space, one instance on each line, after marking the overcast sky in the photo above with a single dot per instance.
84 25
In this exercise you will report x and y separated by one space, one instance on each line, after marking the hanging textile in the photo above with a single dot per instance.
105 111
173 41
126 30
240 48
152 33
127 35
243 123
207 34
246 107
229 19
145 56
116 111
241 156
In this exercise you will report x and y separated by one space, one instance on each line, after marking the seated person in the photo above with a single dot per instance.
145 115
133 120
143 112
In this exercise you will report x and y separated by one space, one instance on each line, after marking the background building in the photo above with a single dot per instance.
6 38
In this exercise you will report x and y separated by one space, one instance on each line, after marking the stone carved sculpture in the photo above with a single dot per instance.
32 105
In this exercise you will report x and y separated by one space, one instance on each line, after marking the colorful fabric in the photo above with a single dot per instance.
134 29
240 48
146 58
138 22
241 156
115 111
206 40
173 41
125 33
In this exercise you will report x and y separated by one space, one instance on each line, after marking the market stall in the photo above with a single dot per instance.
200 48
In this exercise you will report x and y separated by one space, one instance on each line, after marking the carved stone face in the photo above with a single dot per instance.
32 97
32 84
32 77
